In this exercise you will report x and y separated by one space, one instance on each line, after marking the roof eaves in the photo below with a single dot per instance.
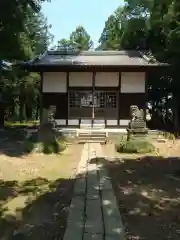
39 57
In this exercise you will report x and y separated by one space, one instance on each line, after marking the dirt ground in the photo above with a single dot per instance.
35 192
148 191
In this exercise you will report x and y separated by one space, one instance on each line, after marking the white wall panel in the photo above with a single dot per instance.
124 122
72 122
99 121
85 121
80 79
112 122
54 82
60 121
107 79
132 82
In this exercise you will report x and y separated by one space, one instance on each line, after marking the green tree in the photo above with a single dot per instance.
64 43
81 39
14 16
153 26
110 37
165 28
31 37
162 36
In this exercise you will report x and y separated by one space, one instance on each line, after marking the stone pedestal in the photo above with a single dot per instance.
137 126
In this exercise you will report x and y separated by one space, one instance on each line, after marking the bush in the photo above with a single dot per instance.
134 146
169 136
56 146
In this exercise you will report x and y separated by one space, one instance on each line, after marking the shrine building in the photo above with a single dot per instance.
93 87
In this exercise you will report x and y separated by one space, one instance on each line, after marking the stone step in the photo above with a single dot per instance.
94 126
92 137
92 134
92 141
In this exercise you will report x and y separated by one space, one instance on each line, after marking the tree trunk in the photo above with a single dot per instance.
37 111
176 118
21 111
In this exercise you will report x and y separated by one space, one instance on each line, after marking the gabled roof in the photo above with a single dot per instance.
92 58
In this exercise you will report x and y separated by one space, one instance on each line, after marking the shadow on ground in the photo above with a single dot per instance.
14 142
148 195
44 213
147 192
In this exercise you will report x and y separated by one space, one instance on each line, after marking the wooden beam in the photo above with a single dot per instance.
67 90
146 93
41 95
93 92
118 100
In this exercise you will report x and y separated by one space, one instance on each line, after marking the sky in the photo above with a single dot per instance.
66 15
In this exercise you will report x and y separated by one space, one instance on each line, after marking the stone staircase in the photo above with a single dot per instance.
92 133
93 136
92 126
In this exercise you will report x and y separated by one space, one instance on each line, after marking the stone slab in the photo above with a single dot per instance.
90 236
113 226
92 195
114 237
94 226
92 186
80 186
92 179
78 203
75 215
93 209
109 204
105 183
94 222
74 231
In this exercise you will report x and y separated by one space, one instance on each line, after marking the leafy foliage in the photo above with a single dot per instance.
78 39
153 26
15 18
134 146
56 146
81 39
24 33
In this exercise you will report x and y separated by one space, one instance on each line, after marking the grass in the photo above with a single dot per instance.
35 192
17 124
56 146
134 146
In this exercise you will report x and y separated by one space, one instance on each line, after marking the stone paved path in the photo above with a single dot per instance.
93 211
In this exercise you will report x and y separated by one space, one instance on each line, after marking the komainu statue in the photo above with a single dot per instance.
137 124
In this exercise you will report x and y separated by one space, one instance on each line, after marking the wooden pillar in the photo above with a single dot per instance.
118 100
146 93
67 91
41 96
93 94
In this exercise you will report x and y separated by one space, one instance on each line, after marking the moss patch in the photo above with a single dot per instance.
56 146
134 146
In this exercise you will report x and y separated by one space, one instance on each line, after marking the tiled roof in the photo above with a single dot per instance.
93 58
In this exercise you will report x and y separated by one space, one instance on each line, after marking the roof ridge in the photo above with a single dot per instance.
92 52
